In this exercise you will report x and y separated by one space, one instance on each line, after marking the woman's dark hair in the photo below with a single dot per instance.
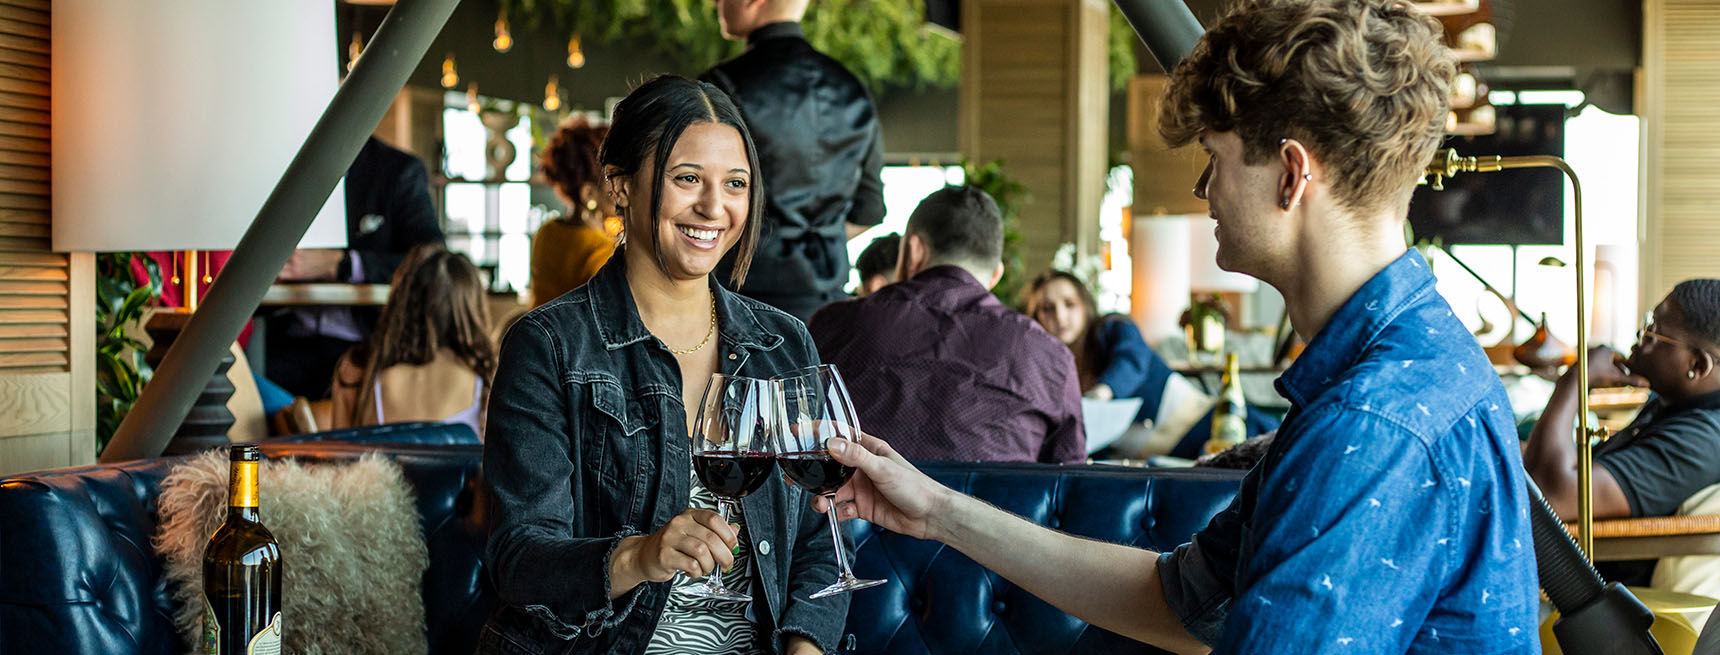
569 160
645 127
1088 350
435 302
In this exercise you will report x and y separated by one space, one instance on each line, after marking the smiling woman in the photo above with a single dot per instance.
587 450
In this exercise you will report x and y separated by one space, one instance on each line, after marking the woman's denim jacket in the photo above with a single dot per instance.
587 443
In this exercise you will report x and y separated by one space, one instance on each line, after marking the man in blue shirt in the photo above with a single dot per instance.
1390 514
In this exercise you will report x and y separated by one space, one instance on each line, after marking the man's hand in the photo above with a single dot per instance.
312 265
886 489
1607 369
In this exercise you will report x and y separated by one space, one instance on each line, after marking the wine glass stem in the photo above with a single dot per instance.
836 536
716 576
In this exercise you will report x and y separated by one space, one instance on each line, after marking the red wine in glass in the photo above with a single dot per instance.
733 475
815 471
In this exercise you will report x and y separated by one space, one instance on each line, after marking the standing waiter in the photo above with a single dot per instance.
819 148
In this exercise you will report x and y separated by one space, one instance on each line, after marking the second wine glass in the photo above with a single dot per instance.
816 409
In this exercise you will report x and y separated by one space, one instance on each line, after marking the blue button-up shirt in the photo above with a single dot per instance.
1390 513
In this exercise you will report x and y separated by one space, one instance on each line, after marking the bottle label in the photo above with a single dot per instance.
267 642
211 629
242 491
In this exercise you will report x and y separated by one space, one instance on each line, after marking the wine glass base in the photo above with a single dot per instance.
845 585
714 592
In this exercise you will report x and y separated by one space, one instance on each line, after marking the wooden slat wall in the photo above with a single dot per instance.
1034 94
1680 94
47 401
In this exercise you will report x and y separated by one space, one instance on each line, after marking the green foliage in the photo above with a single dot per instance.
120 369
1010 196
886 43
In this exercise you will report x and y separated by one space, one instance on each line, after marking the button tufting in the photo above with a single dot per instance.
997 607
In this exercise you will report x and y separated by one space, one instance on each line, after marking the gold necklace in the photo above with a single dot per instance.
709 332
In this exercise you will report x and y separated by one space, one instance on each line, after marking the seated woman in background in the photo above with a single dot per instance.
568 250
1113 361
430 357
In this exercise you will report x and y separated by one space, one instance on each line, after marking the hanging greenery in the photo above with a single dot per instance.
886 43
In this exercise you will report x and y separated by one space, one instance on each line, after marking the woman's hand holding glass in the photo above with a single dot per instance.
697 542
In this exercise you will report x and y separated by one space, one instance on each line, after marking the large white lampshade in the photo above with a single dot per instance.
1204 273
173 120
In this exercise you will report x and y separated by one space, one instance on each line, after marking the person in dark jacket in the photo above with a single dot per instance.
388 213
587 455
1114 361
820 152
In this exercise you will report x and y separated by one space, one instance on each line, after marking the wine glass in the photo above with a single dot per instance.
816 409
732 454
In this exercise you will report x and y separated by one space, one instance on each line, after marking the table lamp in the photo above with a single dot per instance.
171 123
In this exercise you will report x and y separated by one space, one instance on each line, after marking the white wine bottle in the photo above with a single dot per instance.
1230 417
242 571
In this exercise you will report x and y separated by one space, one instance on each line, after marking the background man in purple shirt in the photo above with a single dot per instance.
1390 513
937 363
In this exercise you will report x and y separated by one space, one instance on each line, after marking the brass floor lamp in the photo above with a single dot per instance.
1447 163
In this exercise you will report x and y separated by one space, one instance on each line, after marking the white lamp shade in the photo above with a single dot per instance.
1204 273
172 121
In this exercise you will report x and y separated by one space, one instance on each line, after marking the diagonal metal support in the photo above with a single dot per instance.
399 44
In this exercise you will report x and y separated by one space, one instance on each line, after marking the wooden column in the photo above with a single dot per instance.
47 299
1034 95
1681 146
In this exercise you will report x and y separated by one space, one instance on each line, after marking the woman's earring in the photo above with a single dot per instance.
1308 177
1690 374
1285 203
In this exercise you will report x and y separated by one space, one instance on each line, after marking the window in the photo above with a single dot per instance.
486 202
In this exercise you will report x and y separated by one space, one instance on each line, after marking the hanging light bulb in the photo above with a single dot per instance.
551 95
575 57
354 49
472 98
450 79
504 39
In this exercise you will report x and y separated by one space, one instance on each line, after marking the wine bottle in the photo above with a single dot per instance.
1230 416
242 571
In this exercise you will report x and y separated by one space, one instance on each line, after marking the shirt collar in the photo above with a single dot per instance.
950 280
1356 324
617 317
780 30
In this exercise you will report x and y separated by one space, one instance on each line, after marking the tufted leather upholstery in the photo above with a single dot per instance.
78 574
939 602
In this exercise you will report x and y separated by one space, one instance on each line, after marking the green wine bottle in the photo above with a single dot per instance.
242 571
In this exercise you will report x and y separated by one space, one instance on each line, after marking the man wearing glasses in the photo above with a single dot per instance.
1671 450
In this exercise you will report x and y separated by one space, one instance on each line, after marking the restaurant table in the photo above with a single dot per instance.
281 296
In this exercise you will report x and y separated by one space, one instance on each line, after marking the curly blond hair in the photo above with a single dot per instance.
1363 84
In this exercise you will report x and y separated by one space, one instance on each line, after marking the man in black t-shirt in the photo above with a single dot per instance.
1672 449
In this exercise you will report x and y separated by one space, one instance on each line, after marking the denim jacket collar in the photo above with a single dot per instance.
617 317
1356 324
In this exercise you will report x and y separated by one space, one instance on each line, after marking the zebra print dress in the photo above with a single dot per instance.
703 626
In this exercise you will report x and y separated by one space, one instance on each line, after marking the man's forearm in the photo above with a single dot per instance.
1111 586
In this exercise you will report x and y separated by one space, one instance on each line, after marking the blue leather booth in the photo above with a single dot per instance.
78 574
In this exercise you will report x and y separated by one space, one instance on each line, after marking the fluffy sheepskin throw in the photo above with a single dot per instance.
352 551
